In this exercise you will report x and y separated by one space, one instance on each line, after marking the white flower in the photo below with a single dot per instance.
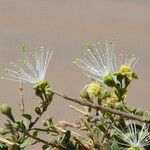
32 68
131 135
99 62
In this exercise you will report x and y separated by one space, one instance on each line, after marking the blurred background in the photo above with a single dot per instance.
67 25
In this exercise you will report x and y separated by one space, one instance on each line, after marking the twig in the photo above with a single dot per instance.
22 107
33 122
99 107
2 139
43 141
65 124
11 145
79 110
75 136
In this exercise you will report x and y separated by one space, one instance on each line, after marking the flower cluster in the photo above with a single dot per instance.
100 63
31 68
133 135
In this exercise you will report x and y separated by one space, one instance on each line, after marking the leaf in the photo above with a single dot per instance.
45 147
26 143
3 147
27 116
114 146
21 125
38 110
35 133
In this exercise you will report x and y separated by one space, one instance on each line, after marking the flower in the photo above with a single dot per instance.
93 89
99 63
32 68
133 135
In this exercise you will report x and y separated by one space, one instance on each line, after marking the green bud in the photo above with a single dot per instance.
109 80
48 92
38 110
84 94
6 110
93 89
119 105
139 112
40 85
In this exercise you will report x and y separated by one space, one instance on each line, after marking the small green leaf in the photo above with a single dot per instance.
35 133
114 146
26 143
38 110
3 147
21 125
45 147
27 116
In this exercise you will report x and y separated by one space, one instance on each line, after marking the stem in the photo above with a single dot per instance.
79 110
109 110
33 122
2 139
76 136
43 141
22 106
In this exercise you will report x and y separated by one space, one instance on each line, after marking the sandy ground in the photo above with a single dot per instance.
67 25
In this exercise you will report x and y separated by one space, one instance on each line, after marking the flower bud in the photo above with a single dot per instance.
84 94
109 80
6 110
40 84
111 101
139 112
49 92
93 89
134 148
125 69
119 106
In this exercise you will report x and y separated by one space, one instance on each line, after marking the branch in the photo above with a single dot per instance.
100 107
43 141
22 106
79 110
76 137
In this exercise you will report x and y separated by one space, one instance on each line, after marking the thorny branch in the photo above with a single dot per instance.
99 107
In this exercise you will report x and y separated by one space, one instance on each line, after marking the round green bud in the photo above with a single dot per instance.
109 80
5 109
119 105
139 112
84 94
